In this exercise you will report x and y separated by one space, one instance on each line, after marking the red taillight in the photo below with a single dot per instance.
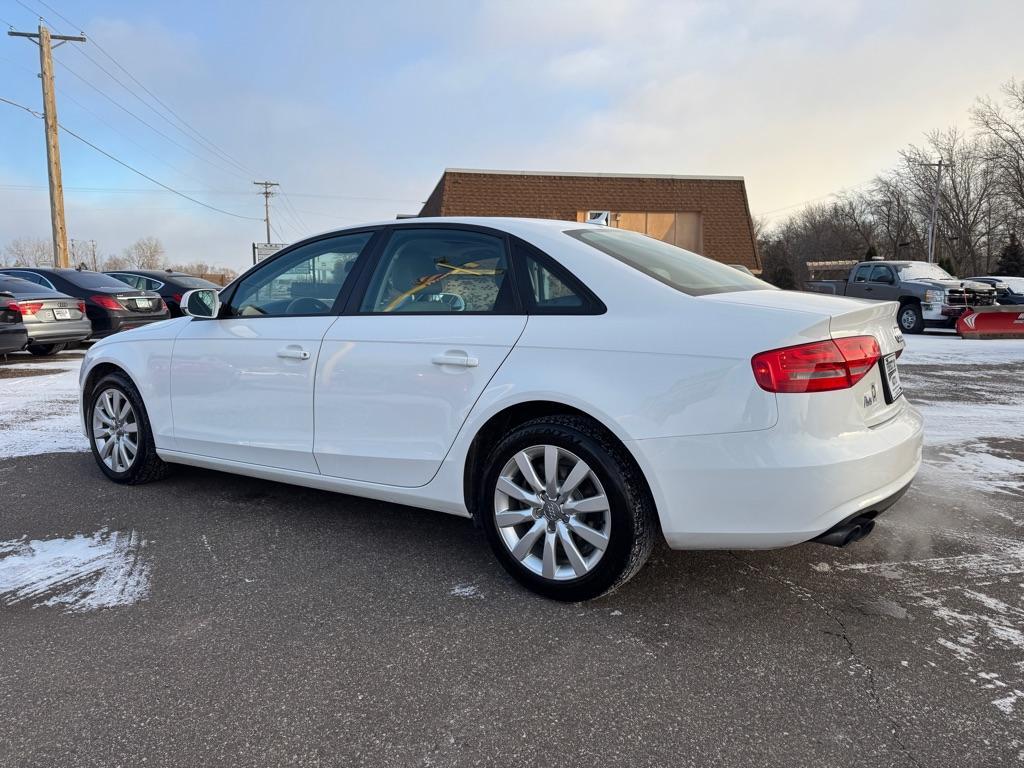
176 297
822 366
106 302
27 309
81 306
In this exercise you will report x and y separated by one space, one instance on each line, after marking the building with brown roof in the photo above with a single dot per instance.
705 214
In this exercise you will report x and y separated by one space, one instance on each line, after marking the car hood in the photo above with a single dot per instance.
952 284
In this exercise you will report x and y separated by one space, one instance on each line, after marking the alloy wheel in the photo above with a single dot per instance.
552 513
115 430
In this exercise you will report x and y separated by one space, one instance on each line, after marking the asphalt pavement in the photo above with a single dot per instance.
260 624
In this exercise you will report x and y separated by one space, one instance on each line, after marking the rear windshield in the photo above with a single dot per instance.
1015 284
683 270
96 280
187 281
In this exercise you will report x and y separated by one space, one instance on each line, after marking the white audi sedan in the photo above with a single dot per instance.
577 390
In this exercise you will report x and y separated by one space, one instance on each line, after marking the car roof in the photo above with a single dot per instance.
147 272
513 225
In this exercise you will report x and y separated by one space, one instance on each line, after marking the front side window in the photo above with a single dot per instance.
440 270
306 281
683 270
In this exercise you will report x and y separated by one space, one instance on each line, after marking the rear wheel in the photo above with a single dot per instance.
565 509
43 350
910 318
120 434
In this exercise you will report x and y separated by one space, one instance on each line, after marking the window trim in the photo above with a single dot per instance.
227 294
592 304
355 299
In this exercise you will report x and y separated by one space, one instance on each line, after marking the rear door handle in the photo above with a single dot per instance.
293 352
455 358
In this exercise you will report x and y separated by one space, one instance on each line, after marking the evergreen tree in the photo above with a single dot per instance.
1011 258
871 253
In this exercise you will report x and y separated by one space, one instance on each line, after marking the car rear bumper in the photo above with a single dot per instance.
760 490
12 338
112 324
59 331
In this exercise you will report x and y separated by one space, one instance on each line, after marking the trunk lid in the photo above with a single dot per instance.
869 401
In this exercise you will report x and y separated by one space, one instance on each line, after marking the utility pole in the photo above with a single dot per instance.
935 208
267 192
44 39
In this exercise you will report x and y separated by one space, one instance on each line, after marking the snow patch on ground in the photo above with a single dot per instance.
39 414
946 349
79 573
466 591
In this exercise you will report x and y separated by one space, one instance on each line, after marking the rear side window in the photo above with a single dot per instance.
862 274
32 277
683 270
18 285
548 288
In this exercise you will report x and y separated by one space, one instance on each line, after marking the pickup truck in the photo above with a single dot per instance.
929 297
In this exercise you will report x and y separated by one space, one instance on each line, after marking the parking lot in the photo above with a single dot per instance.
211 619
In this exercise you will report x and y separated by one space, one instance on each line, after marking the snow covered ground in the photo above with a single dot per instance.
39 413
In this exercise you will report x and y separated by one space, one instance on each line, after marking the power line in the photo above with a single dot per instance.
151 127
197 135
235 193
129 167
814 199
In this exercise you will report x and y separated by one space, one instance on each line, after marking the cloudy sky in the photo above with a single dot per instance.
356 108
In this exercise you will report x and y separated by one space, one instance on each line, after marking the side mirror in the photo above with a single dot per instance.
201 302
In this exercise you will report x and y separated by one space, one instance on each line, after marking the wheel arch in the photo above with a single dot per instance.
518 413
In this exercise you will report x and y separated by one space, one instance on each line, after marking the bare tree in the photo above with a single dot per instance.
145 253
1004 124
28 252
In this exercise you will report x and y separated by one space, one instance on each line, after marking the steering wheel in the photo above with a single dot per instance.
307 305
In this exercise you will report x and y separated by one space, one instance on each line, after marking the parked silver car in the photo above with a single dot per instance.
53 319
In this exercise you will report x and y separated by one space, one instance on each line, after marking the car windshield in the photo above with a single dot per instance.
85 279
187 281
924 271
683 270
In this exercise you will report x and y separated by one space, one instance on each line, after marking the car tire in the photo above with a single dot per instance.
44 350
113 452
910 318
620 537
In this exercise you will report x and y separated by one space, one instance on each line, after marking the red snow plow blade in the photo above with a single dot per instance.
997 322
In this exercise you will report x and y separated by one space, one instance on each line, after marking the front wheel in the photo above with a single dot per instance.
565 509
119 433
910 318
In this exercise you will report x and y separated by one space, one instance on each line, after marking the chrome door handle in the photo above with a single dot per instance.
455 358
294 353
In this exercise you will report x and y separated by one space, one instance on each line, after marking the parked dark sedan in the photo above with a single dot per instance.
168 283
53 319
111 305
13 335
1009 290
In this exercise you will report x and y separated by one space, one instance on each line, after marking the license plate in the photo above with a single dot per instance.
891 379
143 303
62 314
